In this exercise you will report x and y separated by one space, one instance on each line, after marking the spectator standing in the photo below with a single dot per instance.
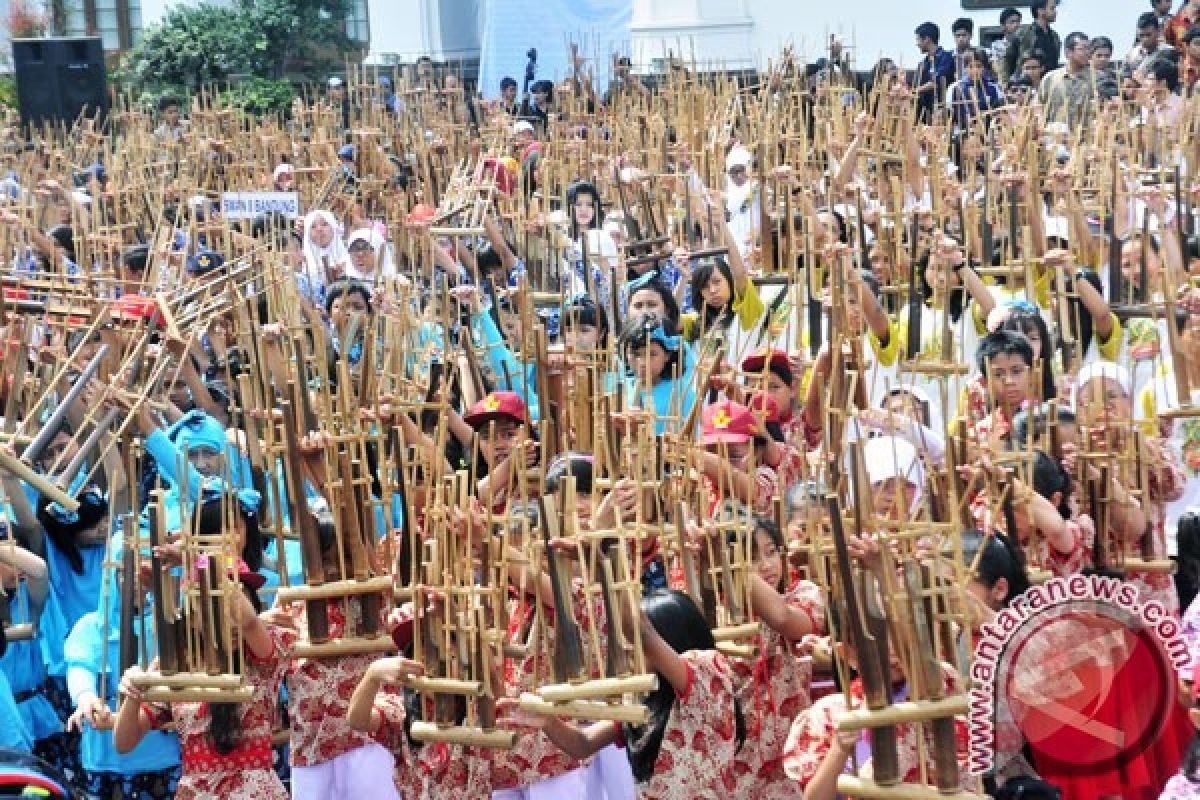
963 30
1149 44
1010 22
1066 92
1040 36
935 71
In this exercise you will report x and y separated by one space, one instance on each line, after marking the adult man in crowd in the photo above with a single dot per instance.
935 71
1039 36
1010 22
1067 92
1149 44
963 29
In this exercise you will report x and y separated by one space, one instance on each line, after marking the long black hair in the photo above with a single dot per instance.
573 192
1050 477
999 558
211 522
701 275
681 625
956 297
224 726
1187 539
582 310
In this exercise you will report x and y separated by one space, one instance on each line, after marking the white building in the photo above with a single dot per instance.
731 34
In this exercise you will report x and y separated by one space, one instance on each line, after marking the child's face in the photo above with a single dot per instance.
1008 379
206 460
717 292
347 305
321 232
893 498
61 450
505 434
585 210
738 455
649 363
768 560
781 393
902 404
582 338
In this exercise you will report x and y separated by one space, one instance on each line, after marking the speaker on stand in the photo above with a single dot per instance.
60 79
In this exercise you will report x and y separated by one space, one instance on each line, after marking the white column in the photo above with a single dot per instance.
719 34
444 30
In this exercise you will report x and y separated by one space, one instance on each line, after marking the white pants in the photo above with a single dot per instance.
568 786
610 776
366 772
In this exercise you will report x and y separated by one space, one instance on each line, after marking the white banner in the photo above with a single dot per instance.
248 205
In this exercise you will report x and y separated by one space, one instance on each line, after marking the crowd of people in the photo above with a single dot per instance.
701 318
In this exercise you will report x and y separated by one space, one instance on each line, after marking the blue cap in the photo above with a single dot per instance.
346 151
204 260
385 81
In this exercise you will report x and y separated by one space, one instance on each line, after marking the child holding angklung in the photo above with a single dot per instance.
735 441
686 750
775 685
816 752
330 758
226 746
383 708
659 371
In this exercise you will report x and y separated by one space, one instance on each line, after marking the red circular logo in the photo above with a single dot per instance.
1086 686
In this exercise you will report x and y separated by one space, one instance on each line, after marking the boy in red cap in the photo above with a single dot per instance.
499 420
783 385
734 439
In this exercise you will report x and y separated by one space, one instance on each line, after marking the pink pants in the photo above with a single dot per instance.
365 773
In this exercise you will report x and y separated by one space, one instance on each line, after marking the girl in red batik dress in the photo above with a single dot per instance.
816 752
686 750
536 768
330 759
774 687
226 746
424 771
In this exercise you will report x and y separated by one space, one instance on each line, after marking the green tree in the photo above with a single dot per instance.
297 36
260 41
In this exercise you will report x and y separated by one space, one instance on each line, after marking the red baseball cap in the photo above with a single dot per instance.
760 357
727 422
402 633
249 577
497 405
762 403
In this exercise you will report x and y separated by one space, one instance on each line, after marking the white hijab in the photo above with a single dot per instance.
383 265
316 257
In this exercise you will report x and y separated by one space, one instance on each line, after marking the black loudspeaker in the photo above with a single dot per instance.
60 79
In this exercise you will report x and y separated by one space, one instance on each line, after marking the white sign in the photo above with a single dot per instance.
248 205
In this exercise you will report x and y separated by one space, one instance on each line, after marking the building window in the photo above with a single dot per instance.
118 23
358 28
